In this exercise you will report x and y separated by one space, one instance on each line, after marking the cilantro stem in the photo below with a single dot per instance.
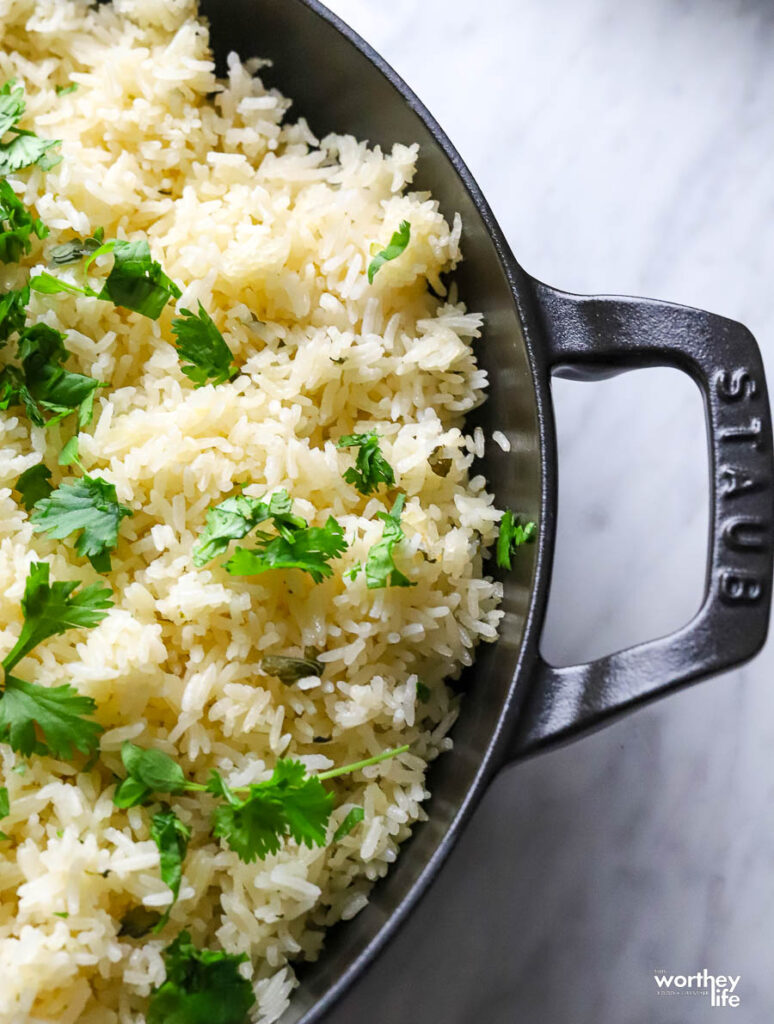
332 773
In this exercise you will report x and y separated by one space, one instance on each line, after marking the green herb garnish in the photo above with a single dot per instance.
13 312
371 468
353 818
203 986
89 507
25 148
42 385
135 282
397 246
65 90
59 713
423 691
16 225
235 517
380 568
34 484
511 536
149 772
295 546
289 804
204 354
308 548
171 836
50 609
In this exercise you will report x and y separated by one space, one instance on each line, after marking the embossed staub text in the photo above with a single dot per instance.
745 533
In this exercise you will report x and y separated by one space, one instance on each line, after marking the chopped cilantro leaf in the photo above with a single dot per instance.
59 712
88 506
5 803
290 803
235 517
289 670
61 913
25 148
309 548
203 986
171 836
65 90
150 771
13 312
397 246
353 818
511 536
423 691
16 225
136 281
34 484
12 105
69 453
42 385
50 609
371 468
204 354
380 568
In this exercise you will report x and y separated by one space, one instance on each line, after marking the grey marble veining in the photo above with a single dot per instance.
625 147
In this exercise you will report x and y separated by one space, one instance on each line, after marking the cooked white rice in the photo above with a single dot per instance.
270 229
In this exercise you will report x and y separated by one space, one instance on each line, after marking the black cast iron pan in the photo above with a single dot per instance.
516 704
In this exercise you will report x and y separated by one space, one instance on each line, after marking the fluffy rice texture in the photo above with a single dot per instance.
271 230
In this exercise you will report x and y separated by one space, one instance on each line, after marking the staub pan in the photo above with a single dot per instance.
515 703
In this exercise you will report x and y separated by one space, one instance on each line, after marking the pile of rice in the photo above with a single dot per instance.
271 230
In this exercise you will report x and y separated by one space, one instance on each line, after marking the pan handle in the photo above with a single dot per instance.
596 337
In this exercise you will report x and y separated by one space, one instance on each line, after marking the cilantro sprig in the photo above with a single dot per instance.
17 225
24 148
512 534
59 714
204 354
398 243
253 820
371 468
136 281
290 803
50 609
296 545
202 986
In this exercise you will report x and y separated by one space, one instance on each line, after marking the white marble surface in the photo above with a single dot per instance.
625 147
